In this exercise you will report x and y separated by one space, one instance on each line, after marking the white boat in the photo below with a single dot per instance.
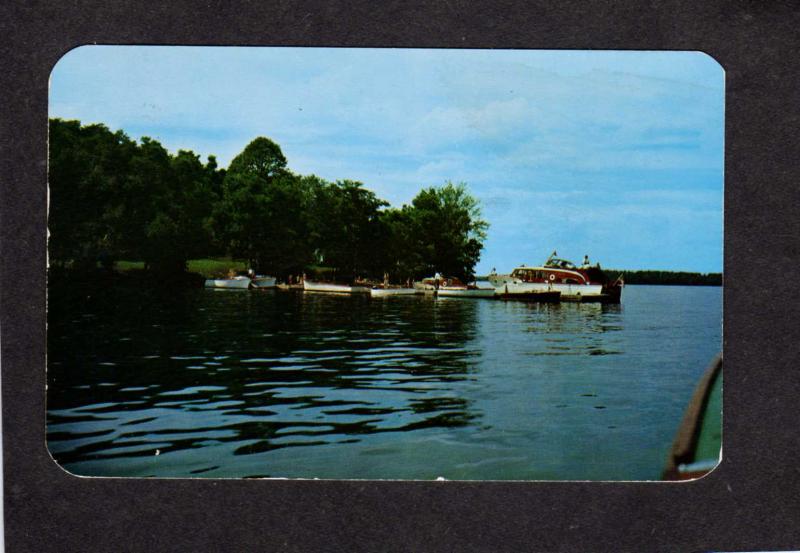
235 283
584 283
385 292
261 281
424 287
465 292
313 286
452 287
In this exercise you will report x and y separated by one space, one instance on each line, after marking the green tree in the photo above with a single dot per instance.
179 228
285 245
261 158
346 220
447 230
88 166
399 255
263 215
137 201
112 198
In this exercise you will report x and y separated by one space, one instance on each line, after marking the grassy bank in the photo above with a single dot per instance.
206 267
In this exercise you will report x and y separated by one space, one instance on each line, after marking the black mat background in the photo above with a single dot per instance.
752 501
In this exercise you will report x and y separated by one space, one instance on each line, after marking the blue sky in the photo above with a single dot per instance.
618 155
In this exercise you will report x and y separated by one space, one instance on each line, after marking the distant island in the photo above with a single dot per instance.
681 278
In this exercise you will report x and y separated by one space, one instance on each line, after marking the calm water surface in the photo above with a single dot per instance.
285 384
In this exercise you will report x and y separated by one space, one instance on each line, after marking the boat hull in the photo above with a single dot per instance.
550 296
331 288
423 288
568 292
465 292
289 287
264 282
239 283
386 292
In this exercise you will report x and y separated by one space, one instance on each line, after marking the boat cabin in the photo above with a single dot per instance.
559 264
549 274
444 282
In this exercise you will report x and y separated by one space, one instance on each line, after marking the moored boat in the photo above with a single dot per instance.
544 296
465 292
335 288
452 287
235 283
584 283
261 281
289 287
386 291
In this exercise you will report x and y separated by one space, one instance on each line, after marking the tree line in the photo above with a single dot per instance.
680 278
113 198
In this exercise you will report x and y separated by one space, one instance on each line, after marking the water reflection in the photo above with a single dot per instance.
267 383
262 371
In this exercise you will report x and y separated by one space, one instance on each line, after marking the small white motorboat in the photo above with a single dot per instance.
261 281
465 292
379 292
235 283
452 287
331 287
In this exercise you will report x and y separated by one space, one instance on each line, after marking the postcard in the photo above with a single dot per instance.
385 264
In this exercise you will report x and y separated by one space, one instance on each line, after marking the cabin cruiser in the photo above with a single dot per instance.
585 283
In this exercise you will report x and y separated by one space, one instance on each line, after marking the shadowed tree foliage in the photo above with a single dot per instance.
115 199
180 229
263 215
677 278
347 228
262 158
88 167
447 231
401 257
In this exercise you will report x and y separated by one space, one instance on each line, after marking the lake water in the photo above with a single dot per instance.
204 383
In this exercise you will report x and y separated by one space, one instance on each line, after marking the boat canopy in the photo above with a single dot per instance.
557 263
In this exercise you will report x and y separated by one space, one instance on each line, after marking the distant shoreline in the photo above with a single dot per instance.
683 278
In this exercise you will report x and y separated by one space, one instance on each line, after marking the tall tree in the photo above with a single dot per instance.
179 227
262 158
447 230
88 166
114 199
347 218
285 245
263 215
139 199
399 255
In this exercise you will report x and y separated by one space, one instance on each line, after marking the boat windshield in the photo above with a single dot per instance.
559 263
